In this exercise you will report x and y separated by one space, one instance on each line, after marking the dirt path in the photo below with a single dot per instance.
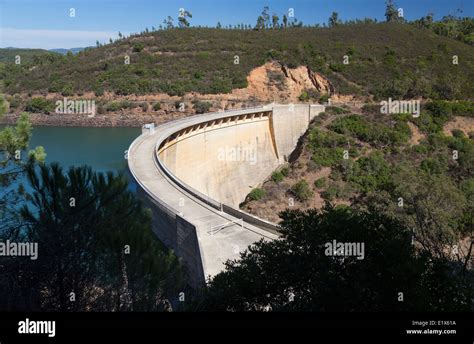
416 134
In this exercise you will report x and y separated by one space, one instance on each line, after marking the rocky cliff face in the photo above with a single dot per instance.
279 83
302 78
322 84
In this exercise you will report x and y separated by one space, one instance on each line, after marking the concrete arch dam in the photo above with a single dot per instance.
194 172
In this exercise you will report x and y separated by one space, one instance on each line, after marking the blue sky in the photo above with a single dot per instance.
47 24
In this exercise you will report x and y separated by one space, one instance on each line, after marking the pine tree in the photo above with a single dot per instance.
391 12
334 19
182 19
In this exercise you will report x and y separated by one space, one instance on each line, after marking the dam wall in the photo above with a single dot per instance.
193 173
289 123
226 159
176 233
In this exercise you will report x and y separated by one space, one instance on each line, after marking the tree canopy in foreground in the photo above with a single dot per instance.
295 272
96 250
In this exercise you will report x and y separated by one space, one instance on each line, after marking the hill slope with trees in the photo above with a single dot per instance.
384 59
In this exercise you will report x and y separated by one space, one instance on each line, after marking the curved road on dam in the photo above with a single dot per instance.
204 232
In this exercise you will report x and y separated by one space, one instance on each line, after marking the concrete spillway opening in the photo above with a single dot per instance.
225 159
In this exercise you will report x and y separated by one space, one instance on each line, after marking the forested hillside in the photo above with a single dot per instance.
383 59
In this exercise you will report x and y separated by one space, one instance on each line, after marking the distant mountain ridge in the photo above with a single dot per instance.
64 51
9 54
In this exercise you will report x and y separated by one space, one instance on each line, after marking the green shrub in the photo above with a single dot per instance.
202 107
370 173
285 171
336 67
112 106
277 176
428 124
4 105
323 99
335 110
376 133
309 94
339 189
302 190
420 149
330 193
127 104
221 85
55 86
312 166
14 101
144 106
434 166
438 113
320 139
400 133
198 75
320 183
439 108
40 105
463 108
271 54
67 90
98 91
303 96
118 105
328 156
457 133
256 194
467 187
137 47
352 125
157 106
327 147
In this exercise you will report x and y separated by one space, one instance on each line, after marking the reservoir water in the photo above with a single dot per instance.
101 148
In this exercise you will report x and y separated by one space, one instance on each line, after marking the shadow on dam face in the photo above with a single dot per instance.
194 172
225 159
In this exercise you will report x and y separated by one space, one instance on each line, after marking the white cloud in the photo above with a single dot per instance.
50 39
